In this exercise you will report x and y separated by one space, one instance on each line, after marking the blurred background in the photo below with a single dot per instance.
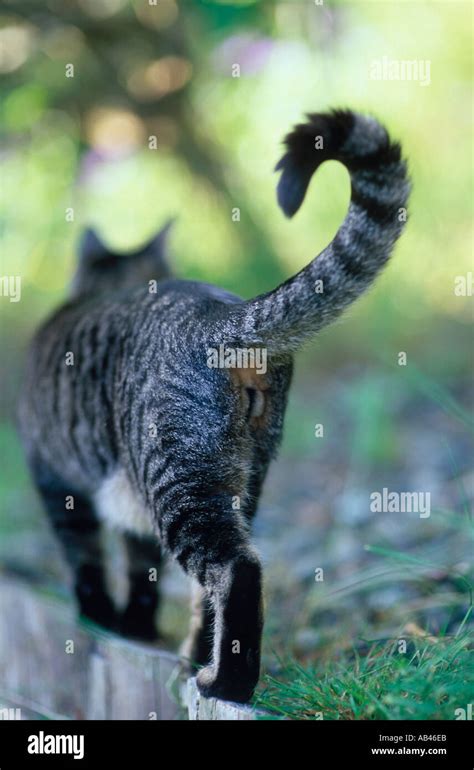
178 109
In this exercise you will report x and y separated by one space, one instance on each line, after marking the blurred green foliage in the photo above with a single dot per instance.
82 143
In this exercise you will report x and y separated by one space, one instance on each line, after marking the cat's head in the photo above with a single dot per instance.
102 270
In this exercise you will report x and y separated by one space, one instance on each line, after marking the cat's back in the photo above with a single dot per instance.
84 340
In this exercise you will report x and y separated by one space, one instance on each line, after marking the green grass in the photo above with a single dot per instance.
429 677
431 680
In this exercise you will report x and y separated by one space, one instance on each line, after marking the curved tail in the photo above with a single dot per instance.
283 318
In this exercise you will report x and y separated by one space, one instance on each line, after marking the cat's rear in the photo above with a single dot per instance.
126 419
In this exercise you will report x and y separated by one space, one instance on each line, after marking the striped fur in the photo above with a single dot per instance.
282 319
140 426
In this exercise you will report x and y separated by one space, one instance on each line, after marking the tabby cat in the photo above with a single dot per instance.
122 413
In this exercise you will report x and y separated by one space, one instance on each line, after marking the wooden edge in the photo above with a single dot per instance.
98 648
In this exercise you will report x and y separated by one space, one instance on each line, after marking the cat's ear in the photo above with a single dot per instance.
158 246
91 247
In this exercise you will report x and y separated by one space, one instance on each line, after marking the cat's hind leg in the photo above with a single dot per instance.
79 532
144 570
211 543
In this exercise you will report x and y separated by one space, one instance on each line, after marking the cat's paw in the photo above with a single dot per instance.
94 602
211 684
135 625
99 609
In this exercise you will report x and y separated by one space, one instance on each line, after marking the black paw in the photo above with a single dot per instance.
94 602
138 621
99 609
213 685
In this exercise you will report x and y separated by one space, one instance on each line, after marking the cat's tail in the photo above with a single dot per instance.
283 318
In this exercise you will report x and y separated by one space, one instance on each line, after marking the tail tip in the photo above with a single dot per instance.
292 185
304 154
340 134
289 195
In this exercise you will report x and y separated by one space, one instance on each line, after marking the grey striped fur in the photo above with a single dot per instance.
140 422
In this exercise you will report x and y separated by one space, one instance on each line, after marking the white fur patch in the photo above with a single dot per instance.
118 505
